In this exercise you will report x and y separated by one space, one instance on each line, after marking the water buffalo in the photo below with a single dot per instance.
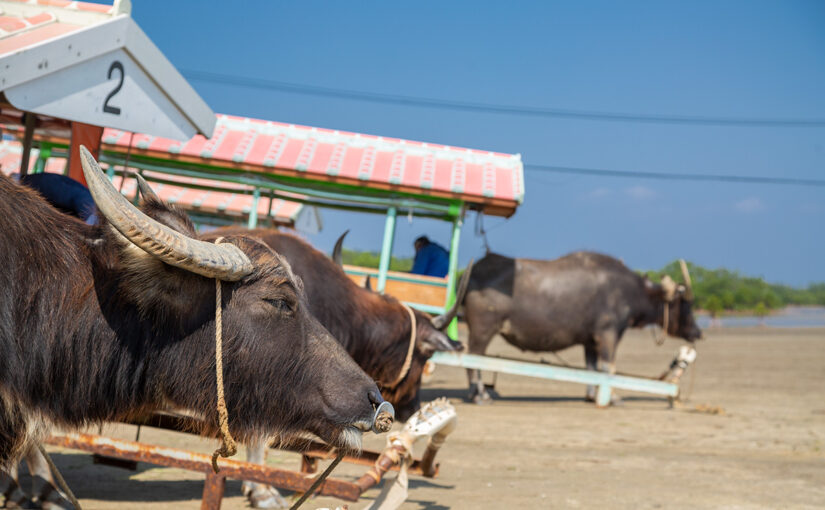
100 322
582 298
375 329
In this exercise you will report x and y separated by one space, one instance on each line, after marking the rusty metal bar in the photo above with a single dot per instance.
213 490
314 449
367 458
173 457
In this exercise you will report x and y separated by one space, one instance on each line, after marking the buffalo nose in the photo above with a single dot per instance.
375 397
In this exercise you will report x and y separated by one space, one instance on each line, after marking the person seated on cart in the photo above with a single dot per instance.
63 193
431 259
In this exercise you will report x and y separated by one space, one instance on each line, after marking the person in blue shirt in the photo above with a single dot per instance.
63 193
431 259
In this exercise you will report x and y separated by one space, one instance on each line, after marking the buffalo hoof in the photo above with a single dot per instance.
51 499
615 400
264 496
20 503
480 398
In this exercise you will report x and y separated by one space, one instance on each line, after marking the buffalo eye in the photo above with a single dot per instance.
281 305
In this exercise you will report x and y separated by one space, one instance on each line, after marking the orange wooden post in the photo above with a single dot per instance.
83 134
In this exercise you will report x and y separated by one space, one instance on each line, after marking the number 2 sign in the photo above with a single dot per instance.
107 108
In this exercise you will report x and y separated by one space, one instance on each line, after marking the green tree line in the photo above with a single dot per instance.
716 290
371 259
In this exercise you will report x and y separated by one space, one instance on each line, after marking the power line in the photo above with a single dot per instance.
447 104
676 176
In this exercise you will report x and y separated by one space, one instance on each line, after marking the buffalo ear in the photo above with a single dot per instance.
653 290
434 340
159 291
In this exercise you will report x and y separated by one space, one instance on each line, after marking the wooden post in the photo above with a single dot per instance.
83 134
29 121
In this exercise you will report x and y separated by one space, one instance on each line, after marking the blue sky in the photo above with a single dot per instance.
748 59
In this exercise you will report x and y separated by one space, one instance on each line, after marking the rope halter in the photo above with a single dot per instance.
228 446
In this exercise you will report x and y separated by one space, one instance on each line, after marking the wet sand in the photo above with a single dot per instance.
541 446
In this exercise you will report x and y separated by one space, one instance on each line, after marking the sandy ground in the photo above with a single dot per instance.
541 446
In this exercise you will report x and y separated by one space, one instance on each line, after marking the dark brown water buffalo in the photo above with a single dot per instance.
374 329
583 298
98 322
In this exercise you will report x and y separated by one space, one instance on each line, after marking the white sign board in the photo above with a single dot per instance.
109 90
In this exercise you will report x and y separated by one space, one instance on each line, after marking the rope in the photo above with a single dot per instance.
660 339
692 369
407 362
60 481
126 165
318 482
228 446
480 231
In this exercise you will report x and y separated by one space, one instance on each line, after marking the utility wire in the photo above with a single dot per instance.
675 176
429 102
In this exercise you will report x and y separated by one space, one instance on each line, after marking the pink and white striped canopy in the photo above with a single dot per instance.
489 180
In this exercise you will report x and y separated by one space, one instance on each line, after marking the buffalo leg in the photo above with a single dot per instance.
11 490
591 359
606 342
43 485
261 495
478 345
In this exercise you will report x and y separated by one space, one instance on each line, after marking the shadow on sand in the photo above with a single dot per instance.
428 394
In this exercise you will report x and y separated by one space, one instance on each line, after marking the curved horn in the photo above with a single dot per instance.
668 288
147 192
441 321
336 251
368 283
224 261
686 276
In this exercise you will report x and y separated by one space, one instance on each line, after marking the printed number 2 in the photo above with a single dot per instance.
114 109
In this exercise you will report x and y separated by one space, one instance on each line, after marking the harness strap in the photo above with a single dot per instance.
408 361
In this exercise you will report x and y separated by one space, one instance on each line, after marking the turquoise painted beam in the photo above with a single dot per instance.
452 329
542 371
434 310
386 249
253 212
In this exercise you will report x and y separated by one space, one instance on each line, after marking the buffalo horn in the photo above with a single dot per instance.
145 190
686 276
336 251
441 321
669 288
222 261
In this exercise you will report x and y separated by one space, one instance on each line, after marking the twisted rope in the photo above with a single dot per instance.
228 446
318 482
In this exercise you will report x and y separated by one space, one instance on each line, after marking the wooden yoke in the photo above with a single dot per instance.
83 134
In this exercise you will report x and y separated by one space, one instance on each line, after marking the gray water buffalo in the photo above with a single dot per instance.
99 322
582 298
